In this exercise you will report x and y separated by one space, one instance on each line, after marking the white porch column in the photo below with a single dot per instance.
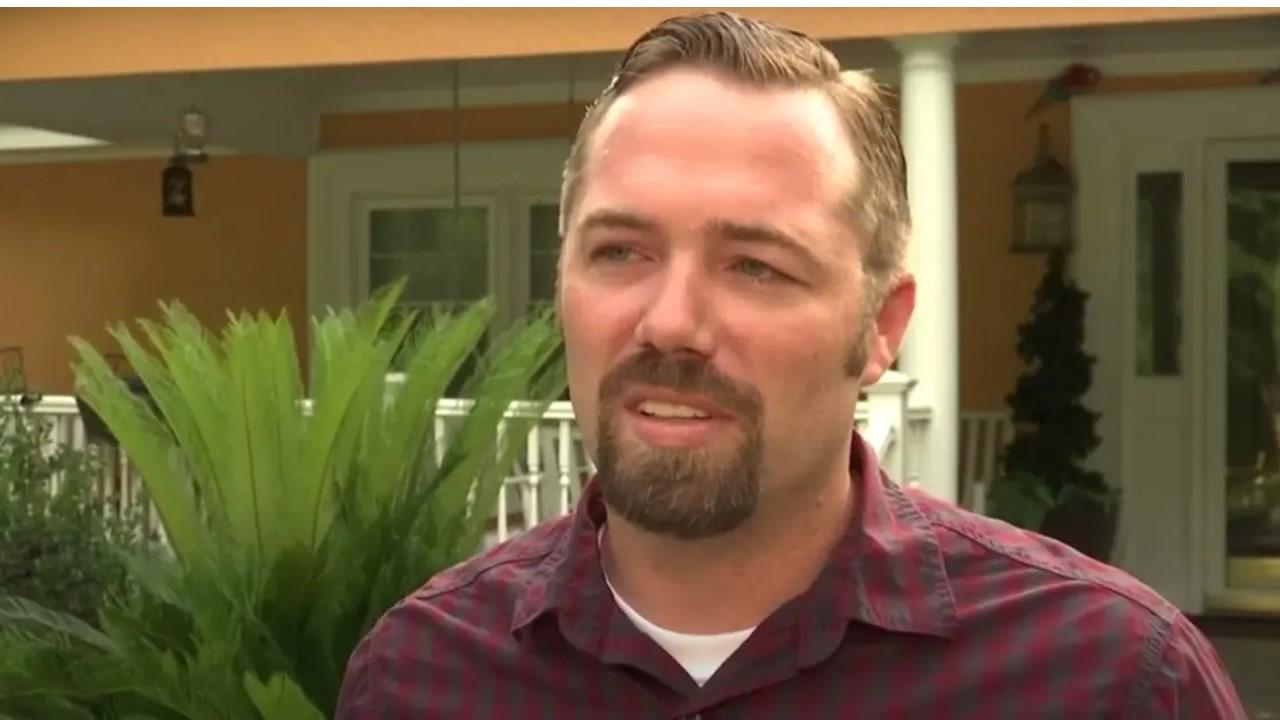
930 352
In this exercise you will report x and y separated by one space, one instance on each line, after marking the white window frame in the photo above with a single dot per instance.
524 249
503 174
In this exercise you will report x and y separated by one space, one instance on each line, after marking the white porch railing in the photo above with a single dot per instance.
546 481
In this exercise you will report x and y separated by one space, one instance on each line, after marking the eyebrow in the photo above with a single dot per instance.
760 234
615 220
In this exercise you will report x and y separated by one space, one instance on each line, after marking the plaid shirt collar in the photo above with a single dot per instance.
887 571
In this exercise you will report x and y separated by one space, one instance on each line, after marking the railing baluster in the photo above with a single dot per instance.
565 461
441 438
533 493
126 477
502 512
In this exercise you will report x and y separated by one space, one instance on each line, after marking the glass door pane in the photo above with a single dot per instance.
1253 376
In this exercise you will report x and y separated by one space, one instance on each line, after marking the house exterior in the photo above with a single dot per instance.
351 147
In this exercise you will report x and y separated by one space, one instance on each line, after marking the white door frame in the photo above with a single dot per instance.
1113 136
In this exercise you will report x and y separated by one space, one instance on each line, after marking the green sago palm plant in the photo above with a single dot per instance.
292 520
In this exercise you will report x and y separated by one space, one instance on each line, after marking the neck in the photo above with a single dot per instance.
734 581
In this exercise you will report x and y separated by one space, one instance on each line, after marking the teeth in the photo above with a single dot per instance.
671 410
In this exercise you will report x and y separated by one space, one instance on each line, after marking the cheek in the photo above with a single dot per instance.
592 325
595 335
800 368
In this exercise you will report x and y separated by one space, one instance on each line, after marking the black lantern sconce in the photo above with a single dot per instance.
178 189
1043 204
177 181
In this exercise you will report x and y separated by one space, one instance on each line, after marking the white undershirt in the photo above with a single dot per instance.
700 655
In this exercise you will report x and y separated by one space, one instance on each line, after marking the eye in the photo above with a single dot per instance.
758 271
612 254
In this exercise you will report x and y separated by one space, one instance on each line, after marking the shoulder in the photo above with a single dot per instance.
1138 647
499 570
977 547
438 633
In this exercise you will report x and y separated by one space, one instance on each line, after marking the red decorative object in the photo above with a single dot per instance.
1073 79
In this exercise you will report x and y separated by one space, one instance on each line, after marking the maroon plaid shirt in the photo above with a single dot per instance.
922 611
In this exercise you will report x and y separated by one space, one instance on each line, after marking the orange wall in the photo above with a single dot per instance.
94 42
83 245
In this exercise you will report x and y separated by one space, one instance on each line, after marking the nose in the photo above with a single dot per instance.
676 319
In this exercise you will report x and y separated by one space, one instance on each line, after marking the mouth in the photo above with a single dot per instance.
661 418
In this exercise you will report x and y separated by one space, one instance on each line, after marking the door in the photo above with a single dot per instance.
1243 234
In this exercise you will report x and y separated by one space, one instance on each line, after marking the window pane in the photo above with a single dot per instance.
443 253
385 271
1253 383
544 251
388 233
1159 269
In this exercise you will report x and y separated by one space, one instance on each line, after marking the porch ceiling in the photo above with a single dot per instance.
274 111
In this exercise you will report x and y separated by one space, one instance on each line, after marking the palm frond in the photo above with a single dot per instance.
281 699
23 616
150 445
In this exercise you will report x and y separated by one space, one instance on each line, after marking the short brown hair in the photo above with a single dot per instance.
765 55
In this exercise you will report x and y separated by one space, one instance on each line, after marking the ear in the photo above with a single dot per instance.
889 328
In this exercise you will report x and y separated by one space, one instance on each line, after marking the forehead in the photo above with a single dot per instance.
690 132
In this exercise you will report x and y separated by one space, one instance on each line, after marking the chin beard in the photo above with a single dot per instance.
685 494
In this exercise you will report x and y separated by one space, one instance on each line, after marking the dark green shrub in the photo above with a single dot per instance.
58 547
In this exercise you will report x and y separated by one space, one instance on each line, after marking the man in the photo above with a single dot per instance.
734 217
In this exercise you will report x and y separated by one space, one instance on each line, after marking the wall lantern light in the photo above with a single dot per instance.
1043 204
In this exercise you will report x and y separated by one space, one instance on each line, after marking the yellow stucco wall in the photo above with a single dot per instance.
83 245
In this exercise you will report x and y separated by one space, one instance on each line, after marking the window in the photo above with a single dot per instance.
441 253
1159 270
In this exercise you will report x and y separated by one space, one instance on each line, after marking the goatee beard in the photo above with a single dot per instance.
687 494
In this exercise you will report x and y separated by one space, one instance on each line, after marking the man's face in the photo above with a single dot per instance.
711 295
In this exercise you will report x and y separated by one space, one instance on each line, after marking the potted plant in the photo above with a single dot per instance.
1043 484
293 520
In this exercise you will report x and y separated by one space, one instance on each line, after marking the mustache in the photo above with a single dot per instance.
681 373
